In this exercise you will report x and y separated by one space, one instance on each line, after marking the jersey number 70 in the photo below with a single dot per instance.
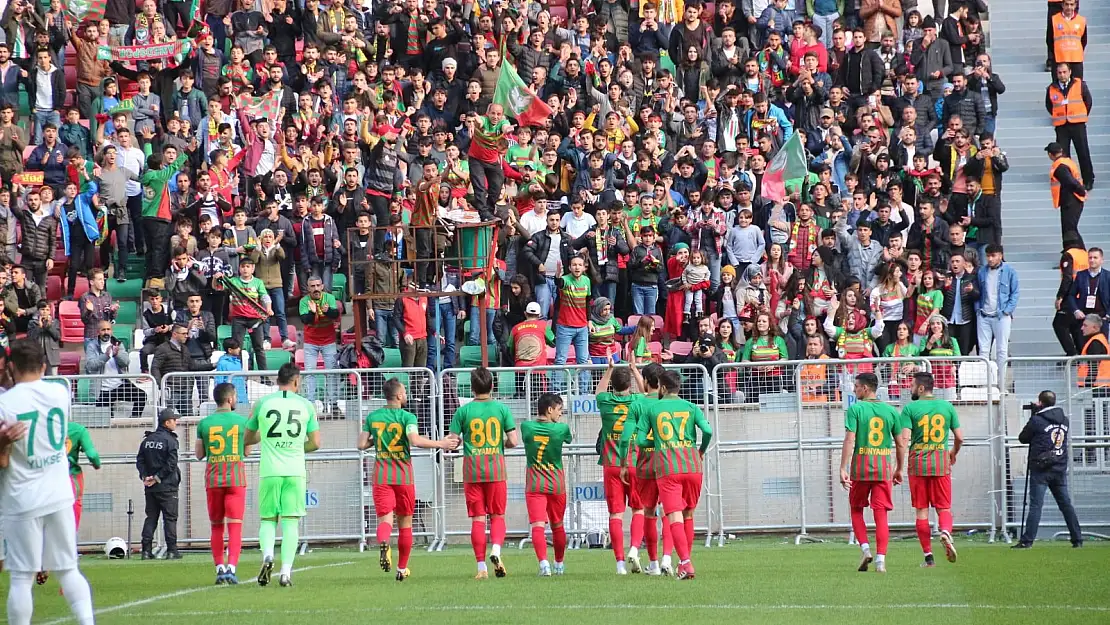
55 428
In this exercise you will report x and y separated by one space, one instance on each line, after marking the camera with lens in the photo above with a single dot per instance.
1031 407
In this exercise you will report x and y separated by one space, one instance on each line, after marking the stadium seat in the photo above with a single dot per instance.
681 348
222 332
125 332
69 363
128 312
392 359
347 338
131 289
976 373
54 288
275 358
298 358
81 287
339 287
73 329
471 356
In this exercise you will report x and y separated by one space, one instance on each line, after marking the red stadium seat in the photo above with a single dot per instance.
81 287
73 330
69 362
559 12
71 77
681 348
54 288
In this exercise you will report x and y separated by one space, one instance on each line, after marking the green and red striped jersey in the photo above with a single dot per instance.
674 424
482 424
543 448
614 411
875 425
224 436
641 448
389 430
929 420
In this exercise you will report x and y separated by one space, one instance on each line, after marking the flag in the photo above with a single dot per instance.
86 10
125 106
267 106
788 168
518 100
177 49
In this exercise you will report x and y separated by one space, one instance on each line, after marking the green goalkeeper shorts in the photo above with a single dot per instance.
281 497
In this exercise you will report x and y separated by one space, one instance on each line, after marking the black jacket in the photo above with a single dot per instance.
589 241
1046 433
535 252
158 458
862 72
967 299
987 217
641 273
173 358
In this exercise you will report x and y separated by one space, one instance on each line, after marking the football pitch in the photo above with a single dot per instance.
762 580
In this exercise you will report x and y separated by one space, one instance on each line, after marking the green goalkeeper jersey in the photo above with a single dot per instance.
284 420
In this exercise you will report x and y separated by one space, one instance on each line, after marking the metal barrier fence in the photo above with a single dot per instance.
1086 401
519 388
781 429
772 466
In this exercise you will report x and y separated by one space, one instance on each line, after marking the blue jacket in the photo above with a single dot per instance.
227 362
86 215
1081 287
784 122
1007 289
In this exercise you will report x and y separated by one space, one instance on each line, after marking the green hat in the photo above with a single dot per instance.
678 247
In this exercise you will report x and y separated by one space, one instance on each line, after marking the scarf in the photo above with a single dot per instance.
596 310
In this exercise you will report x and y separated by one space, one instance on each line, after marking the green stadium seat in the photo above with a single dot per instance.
128 312
84 391
339 287
392 358
125 332
471 356
131 289
222 332
275 358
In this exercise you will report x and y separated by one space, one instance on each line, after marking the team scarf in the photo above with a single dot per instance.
178 50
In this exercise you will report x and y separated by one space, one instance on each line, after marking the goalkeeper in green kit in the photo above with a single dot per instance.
285 425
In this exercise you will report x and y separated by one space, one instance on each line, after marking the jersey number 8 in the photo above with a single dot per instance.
875 432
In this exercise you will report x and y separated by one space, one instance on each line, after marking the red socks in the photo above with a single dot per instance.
678 533
218 544
637 531
478 539
559 537
616 534
497 530
924 536
859 526
384 530
404 547
944 520
650 527
882 531
234 543
539 543
689 523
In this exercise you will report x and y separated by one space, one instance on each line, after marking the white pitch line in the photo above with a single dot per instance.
629 606
175 594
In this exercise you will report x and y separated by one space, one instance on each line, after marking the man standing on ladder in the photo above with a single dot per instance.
1069 102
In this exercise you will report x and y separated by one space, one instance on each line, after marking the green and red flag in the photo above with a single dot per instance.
787 169
267 106
86 10
518 100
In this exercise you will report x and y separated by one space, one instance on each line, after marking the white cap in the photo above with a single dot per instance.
532 309
450 62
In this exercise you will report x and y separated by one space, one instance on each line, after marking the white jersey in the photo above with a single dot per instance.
36 482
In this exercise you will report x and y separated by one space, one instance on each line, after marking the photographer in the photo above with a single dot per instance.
705 353
1046 433
157 465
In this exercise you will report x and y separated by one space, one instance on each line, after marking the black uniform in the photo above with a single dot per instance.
1046 433
157 458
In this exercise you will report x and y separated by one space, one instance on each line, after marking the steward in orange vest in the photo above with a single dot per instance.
1069 38
1069 102
1055 7
1094 373
1068 192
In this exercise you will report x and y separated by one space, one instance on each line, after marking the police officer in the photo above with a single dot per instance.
1046 433
157 464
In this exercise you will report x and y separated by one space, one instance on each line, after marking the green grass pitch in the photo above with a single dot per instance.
752 581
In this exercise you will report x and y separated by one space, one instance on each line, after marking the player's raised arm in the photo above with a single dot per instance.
603 383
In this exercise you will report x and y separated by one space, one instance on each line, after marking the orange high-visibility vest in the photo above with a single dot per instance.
1079 260
1063 161
1102 375
1068 108
1067 35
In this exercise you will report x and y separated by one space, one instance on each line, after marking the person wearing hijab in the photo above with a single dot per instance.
604 329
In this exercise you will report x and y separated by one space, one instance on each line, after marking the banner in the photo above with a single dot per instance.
123 107
787 170
86 10
147 52
265 107
29 178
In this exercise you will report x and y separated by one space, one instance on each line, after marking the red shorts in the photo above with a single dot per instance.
399 499
931 491
226 502
617 492
679 491
647 492
875 495
484 498
547 507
